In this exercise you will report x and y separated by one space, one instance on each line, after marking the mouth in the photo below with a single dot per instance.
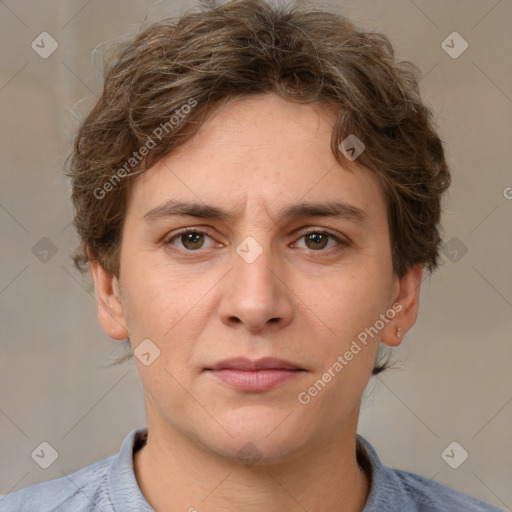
265 363
255 375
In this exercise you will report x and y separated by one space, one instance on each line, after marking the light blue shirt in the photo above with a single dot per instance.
110 486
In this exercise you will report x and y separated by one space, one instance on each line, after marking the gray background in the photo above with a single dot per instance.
455 384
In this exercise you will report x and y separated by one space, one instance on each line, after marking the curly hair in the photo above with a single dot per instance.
161 87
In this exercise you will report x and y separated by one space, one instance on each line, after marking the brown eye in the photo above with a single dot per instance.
319 240
316 240
190 240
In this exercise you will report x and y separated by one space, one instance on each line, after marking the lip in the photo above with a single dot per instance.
255 380
255 375
265 363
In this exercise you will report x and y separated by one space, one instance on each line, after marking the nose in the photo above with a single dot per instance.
255 293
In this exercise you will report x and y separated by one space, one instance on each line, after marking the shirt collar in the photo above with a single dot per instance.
384 484
124 489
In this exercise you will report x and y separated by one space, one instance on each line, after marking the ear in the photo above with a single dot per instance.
405 305
110 308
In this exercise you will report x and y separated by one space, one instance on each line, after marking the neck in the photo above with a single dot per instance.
174 474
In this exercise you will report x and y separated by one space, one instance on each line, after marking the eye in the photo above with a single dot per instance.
190 238
193 239
317 240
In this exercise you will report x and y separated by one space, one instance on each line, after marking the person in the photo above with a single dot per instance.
257 194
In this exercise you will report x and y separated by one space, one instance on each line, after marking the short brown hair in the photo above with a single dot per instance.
220 52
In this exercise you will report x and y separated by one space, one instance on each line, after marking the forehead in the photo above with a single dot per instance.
263 154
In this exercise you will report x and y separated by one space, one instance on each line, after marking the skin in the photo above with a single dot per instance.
297 301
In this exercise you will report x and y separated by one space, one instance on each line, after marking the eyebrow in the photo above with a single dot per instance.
337 209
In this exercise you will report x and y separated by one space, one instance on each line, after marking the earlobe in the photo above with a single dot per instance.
406 306
110 308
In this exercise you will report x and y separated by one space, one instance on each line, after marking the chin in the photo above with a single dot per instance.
257 436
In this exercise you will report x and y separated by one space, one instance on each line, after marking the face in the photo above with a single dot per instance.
248 281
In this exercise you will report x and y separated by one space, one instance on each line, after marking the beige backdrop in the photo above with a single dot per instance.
455 384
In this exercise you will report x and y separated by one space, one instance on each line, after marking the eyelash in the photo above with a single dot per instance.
199 231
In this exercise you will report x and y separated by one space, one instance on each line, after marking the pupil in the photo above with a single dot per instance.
315 238
192 238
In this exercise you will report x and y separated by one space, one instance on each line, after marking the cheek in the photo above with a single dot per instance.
345 354
344 311
166 307
349 304
151 292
